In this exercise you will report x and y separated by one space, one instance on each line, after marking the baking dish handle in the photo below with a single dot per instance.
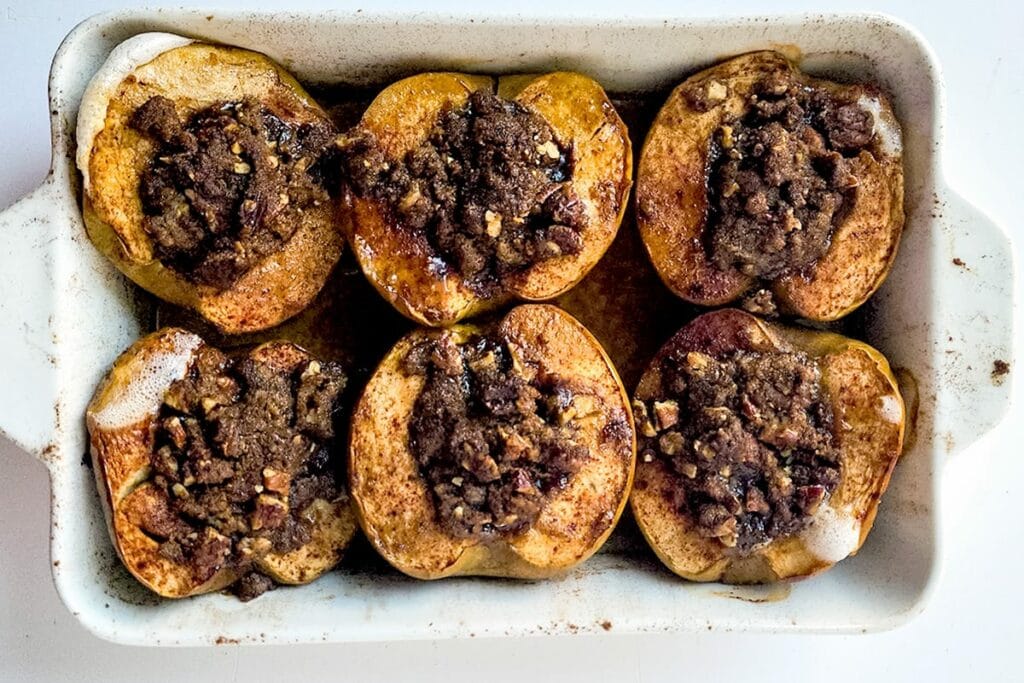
977 317
28 362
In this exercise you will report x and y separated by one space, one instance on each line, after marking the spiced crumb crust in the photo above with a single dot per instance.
488 189
215 194
492 438
749 438
241 449
779 176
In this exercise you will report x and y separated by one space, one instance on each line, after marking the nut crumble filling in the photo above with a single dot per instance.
493 438
241 449
225 184
488 189
781 176
749 439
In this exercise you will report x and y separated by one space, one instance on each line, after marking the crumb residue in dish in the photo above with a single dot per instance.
1000 368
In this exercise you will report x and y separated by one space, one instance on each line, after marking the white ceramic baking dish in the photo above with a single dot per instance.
945 314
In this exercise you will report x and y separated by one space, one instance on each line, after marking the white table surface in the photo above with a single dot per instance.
972 628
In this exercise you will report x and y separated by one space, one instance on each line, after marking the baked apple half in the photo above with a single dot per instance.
498 450
465 192
203 179
764 449
756 179
218 471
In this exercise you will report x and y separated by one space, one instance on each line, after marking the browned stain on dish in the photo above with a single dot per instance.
908 386
49 453
949 442
792 52
622 301
347 322
758 594
906 507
